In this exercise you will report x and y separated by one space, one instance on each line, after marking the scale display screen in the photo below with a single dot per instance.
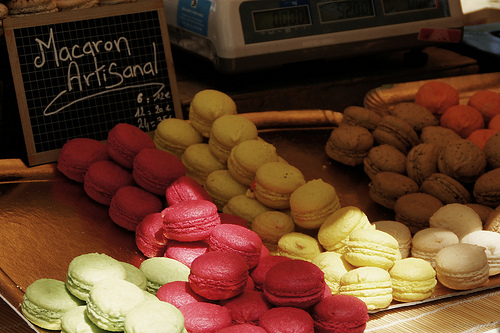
398 6
281 17
345 9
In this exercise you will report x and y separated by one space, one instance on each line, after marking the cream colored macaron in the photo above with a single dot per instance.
208 105
459 218
245 207
175 135
222 187
200 162
490 240
462 266
312 203
427 242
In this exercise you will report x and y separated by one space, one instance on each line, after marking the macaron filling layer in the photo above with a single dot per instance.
104 320
45 318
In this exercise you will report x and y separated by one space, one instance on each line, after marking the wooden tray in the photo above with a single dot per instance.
47 219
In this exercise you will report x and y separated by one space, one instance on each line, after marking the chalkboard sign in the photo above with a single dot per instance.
79 73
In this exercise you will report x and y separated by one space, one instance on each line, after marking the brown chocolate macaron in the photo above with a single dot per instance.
438 135
493 221
446 189
416 115
487 188
30 7
415 209
463 160
492 151
387 187
349 144
361 116
384 158
396 132
422 161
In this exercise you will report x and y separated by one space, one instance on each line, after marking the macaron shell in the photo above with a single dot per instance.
415 209
446 189
384 157
296 283
298 245
360 116
288 319
174 135
149 236
413 279
155 170
178 293
340 313
396 132
153 316
162 270
427 242
490 241
186 188
45 302
422 161
76 320
459 218
487 188
125 141
348 144
200 162
204 317
462 160
416 115
191 220
247 307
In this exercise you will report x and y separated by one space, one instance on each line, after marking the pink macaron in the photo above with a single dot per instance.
185 252
296 283
77 155
237 239
125 141
104 178
201 317
149 236
131 204
155 170
247 307
287 319
189 221
340 313
178 293
186 188
219 275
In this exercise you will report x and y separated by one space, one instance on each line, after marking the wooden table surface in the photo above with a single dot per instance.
47 220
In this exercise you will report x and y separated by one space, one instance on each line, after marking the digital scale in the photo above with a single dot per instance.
245 35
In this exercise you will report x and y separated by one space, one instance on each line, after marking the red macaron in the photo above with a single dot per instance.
247 307
226 218
155 170
340 313
178 293
104 178
125 141
242 328
237 239
218 275
201 317
186 188
287 319
77 155
189 221
185 252
297 283
149 236
258 274
131 204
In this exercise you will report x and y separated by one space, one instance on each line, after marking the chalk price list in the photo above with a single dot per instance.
150 112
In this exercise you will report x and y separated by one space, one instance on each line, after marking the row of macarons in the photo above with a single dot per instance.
217 294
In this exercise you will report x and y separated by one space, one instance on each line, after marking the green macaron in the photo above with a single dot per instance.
77 321
161 270
135 275
87 269
109 302
45 301
154 317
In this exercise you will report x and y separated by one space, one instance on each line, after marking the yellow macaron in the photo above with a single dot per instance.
275 182
227 131
371 247
206 106
270 226
413 279
312 203
246 157
222 187
245 207
334 266
399 231
175 135
200 162
335 230
297 245
372 285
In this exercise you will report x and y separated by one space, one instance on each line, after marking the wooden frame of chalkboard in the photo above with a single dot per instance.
79 73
